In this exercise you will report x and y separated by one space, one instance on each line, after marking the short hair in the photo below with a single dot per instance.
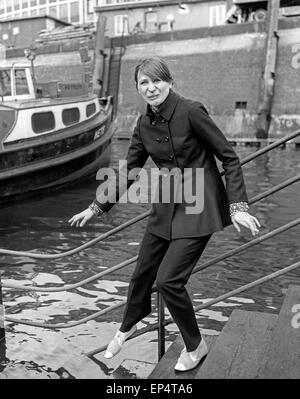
155 68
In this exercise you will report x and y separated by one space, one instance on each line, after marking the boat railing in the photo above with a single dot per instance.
160 325
105 103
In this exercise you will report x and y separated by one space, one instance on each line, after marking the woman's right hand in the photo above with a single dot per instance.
80 219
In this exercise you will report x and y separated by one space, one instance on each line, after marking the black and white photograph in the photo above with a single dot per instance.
149 193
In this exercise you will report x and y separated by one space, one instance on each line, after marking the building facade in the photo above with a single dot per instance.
71 11
85 11
136 17
22 32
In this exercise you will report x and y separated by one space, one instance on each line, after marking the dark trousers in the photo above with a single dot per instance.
170 263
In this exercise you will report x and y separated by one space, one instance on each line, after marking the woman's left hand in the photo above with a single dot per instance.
246 220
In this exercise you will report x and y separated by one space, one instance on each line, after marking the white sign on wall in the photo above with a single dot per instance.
296 58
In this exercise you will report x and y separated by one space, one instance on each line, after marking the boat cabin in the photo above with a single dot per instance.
16 83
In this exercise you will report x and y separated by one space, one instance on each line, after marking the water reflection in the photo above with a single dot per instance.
41 225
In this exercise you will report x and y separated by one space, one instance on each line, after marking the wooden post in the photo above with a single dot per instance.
268 79
2 331
99 56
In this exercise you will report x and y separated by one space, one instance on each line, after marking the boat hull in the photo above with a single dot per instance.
52 163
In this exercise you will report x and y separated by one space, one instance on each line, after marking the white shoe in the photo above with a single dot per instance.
190 360
116 344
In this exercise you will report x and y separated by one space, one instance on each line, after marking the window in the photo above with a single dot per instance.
5 82
43 11
241 105
217 15
90 6
75 12
9 5
16 5
42 2
70 116
24 4
7 119
33 3
63 12
90 109
52 12
121 25
43 122
151 21
21 82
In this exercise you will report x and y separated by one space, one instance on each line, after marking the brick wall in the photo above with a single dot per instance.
286 104
220 71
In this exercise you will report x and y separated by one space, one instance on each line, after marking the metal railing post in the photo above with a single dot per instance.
2 330
161 325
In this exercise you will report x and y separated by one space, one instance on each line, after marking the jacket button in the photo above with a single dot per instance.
166 138
153 123
171 157
158 140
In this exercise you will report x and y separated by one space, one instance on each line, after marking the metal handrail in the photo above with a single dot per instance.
162 323
241 248
209 303
138 218
272 190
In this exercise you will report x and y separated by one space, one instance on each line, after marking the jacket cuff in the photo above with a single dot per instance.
97 211
238 207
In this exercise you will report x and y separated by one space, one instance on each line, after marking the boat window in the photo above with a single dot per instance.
5 82
90 109
70 116
7 119
42 122
21 82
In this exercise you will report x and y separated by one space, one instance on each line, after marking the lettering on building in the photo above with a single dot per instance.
296 58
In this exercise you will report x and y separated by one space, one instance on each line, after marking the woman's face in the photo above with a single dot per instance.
155 91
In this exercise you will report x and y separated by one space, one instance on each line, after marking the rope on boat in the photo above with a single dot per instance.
92 242
154 289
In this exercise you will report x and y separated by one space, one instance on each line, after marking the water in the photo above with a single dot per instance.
41 225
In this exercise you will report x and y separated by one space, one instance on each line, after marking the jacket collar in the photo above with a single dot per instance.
167 108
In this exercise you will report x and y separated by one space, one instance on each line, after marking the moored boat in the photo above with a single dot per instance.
50 134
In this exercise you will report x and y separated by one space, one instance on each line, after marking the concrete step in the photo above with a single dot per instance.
240 350
251 345
165 368
283 357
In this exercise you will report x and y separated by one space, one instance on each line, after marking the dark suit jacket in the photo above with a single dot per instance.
182 135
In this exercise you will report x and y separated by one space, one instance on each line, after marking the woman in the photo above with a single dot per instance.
179 135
